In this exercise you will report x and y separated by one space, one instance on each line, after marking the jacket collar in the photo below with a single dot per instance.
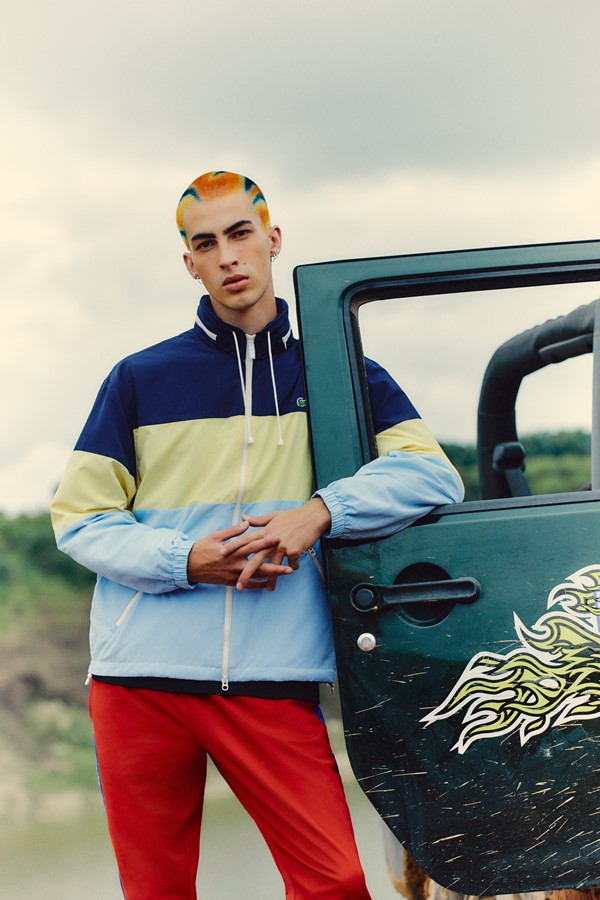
210 328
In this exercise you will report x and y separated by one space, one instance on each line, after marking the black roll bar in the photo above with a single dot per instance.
552 342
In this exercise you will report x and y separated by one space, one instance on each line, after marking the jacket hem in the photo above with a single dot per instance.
323 675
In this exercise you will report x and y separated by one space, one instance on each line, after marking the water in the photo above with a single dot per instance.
73 860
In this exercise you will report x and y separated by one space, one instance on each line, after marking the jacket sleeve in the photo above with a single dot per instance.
92 509
411 476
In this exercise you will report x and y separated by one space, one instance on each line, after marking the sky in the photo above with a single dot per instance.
398 126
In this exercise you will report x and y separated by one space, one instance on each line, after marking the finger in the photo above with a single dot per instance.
257 566
271 582
250 569
249 543
271 572
234 531
258 521
271 568
258 581
277 560
293 560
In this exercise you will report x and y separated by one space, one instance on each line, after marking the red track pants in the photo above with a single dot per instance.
275 755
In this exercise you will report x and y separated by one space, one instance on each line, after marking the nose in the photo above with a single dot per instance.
227 256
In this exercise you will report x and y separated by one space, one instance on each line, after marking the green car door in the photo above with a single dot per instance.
468 644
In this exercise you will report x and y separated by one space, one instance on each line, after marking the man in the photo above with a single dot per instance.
190 494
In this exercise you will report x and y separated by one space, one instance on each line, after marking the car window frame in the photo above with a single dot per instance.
359 294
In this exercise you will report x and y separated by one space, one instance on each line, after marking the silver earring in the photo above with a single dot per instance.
198 279
274 256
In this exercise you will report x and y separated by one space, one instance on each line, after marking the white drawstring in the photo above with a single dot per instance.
246 386
280 439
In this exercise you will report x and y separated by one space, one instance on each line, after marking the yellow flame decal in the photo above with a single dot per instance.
552 679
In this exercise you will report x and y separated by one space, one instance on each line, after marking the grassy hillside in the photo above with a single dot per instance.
44 606
44 611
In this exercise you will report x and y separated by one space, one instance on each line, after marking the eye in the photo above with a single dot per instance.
202 246
241 233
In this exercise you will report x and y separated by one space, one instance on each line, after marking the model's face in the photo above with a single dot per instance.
230 252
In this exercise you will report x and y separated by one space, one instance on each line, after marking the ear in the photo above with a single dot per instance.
189 264
275 239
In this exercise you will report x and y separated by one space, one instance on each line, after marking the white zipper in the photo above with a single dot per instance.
250 357
248 439
317 562
226 638
319 568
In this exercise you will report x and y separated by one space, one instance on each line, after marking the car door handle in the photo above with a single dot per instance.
370 598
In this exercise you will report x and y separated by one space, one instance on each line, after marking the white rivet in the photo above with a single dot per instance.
366 642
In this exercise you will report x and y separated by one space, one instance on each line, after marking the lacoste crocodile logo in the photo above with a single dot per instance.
552 679
301 402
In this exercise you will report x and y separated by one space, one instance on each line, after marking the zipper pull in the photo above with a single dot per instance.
88 679
250 338
317 562
225 685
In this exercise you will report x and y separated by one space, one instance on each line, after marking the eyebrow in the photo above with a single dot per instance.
204 235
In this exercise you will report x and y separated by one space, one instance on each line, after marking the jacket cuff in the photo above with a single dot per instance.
180 553
335 510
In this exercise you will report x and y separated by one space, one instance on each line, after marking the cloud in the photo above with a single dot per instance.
316 87
404 127
418 210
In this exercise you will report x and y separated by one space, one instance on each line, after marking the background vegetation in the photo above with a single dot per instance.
554 462
44 608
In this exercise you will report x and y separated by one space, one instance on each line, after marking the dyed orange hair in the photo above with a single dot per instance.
219 184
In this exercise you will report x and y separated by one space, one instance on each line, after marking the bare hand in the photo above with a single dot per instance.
282 534
210 561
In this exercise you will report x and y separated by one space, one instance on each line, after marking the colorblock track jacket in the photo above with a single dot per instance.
185 437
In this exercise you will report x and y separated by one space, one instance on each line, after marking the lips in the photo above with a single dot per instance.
235 282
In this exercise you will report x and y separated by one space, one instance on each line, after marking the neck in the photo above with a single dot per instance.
250 320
